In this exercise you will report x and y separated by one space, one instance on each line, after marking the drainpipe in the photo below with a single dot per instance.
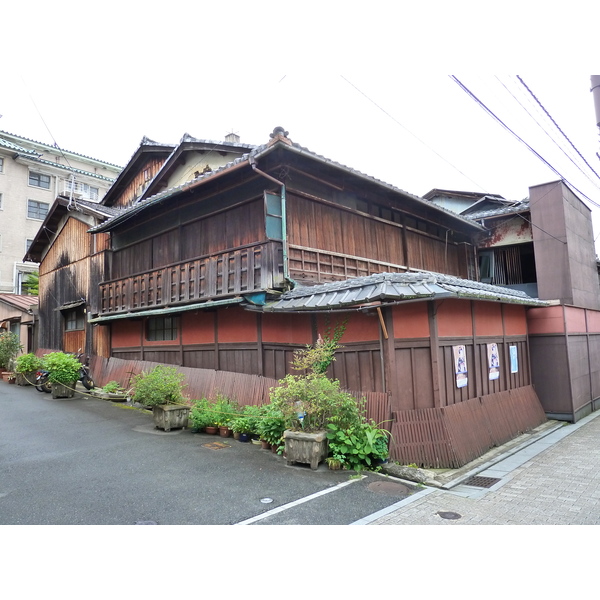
286 271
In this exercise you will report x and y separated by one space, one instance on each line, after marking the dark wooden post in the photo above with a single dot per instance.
439 396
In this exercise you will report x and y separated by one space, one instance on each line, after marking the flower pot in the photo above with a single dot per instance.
236 435
211 430
302 447
224 431
255 442
265 445
244 437
63 391
170 416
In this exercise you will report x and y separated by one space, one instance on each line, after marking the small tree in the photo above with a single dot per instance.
10 346
31 285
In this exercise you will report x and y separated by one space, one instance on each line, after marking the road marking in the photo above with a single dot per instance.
297 502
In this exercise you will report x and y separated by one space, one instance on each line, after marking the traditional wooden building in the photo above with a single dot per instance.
235 268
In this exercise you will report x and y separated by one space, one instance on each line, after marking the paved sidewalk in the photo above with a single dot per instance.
553 481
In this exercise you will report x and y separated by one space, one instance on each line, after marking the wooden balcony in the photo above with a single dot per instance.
239 271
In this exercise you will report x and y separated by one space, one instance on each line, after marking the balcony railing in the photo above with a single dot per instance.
244 270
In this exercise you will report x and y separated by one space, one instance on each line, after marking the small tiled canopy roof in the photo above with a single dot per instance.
393 287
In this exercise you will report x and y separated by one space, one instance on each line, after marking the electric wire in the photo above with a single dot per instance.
385 112
556 125
503 124
551 138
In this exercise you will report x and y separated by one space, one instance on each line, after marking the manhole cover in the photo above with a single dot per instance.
216 445
389 487
449 515
482 482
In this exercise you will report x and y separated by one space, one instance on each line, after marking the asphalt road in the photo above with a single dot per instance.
87 461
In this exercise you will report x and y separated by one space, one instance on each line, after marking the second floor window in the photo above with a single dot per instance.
161 328
39 180
37 210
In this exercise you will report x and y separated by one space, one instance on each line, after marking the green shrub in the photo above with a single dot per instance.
113 387
358 447
26 363
272 425
310 402
10 346
63 368
225 410
162 385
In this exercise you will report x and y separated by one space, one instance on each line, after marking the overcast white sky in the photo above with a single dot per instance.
363 84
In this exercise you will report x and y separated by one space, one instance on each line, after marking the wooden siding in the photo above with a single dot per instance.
139 182
244 270
207 383
450 437
329 243
68 273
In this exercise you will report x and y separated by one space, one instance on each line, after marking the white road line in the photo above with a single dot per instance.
297 502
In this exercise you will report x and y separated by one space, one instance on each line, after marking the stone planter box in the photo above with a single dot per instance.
170 416
112 396
301 447
27 378
61 391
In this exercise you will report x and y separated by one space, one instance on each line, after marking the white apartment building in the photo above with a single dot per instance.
32 175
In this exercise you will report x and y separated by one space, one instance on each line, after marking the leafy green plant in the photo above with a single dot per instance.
113 387
310 402
162 385
225 410
63 368
317 358
272 425
201 415
359 446
10 346
27 363
240 424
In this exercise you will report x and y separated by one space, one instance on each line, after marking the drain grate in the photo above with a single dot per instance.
482 482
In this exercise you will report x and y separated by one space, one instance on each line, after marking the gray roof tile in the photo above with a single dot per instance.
394 287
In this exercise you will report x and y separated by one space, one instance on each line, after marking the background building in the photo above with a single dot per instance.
32 175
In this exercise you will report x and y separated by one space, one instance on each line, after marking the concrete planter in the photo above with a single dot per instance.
301 447
170 416
63 391
27 378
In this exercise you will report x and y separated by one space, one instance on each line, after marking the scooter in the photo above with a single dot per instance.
43 383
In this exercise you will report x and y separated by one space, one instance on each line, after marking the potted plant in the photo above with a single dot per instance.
310 402
271 426
225 410
64 373
162 390
240 427
111 391
26 366
10 346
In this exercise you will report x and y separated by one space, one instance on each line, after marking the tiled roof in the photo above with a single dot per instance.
72 170
256 153
49 147
21 302
12 146
498 212
394 287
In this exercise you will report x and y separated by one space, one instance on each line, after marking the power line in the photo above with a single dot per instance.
411 133
551 138
556 125
503 124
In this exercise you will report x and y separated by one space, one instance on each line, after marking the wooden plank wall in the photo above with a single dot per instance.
246 389
452 436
